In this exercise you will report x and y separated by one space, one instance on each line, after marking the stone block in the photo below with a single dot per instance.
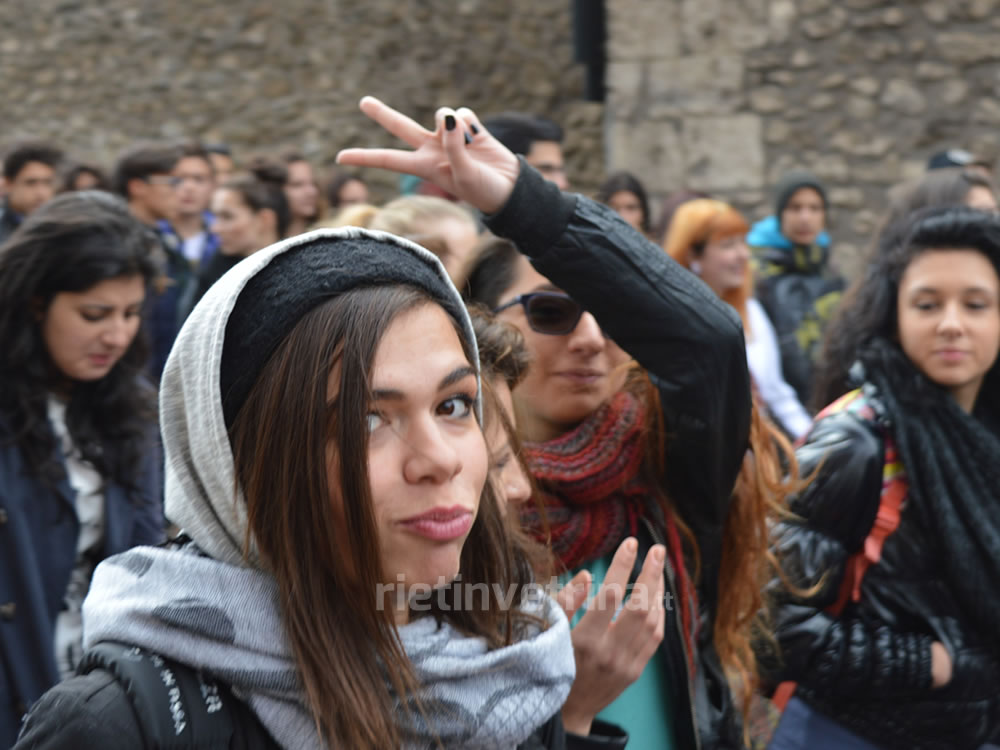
865 85
650 150
781 20
821 101
826 25
936 11
830 167
851 197
641 30
724 153
954 92
934 71
768 100
696 84
902 96
861 108
986 111
966 47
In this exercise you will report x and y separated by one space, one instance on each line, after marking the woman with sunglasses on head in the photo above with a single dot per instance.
899 533
79 459
657 456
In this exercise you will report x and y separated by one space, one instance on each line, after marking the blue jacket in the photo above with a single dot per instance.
38 537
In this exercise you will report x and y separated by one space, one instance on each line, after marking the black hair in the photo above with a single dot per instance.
264 188
519 130
222 149
142 161
491 272
75 170
195 150
73 242
869 308
626 182
22 154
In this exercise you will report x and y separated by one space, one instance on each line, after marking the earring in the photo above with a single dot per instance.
696 267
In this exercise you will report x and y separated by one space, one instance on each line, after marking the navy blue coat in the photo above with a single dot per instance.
38 537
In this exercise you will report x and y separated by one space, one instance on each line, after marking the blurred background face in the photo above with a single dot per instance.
724 263
85 181
547 158
460 238
949 318
803 217
506 472
570 375
301 191
353 191
195 186
223 165
34 185
87 332
238 228
981 197
628 206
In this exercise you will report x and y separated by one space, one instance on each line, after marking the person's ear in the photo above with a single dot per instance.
267 223
135 188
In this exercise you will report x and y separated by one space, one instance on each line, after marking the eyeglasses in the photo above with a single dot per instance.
551 313
164 179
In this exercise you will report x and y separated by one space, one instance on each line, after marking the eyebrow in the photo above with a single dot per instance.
391 394
966 290
548 288
104 307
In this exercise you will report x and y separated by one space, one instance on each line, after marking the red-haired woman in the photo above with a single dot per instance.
707 237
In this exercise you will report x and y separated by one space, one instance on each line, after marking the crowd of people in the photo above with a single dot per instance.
491 464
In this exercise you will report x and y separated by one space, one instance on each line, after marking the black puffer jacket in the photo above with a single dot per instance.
870 667
691 344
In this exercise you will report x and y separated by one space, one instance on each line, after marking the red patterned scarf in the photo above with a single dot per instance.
594 495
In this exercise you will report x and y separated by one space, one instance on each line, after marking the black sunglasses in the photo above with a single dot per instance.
547 312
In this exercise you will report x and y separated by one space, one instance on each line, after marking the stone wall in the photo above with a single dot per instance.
263 75
725 96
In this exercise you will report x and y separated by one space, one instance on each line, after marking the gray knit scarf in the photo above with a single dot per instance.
226 619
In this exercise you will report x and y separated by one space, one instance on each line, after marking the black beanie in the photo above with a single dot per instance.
791 182
304 276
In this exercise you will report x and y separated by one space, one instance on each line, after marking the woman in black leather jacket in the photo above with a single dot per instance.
899 533
593 271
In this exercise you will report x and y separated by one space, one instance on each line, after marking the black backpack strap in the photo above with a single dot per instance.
177 707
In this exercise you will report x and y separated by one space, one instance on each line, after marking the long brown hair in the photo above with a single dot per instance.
321 542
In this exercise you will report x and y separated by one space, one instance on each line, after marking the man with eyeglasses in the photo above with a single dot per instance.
29 180
144 177
537 139
191 222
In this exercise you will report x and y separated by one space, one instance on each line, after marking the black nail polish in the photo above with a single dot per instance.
474 129
468 139
449 122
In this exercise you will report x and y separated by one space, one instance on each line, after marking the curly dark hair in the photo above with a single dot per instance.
868 311
73 242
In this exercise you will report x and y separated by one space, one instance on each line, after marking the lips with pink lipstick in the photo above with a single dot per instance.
582 376
440 524
951 355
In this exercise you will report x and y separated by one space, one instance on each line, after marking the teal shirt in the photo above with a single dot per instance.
644 709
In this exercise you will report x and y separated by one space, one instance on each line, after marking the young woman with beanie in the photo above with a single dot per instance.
80 475
795 286
620 451
706 237
899 533
346 577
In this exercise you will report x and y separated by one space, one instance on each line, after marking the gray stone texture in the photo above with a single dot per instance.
271 76
859 91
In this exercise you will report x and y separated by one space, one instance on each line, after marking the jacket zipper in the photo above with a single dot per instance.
680 629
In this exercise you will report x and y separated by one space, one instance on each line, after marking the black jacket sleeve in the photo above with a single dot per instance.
689 341
90 711
843 655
